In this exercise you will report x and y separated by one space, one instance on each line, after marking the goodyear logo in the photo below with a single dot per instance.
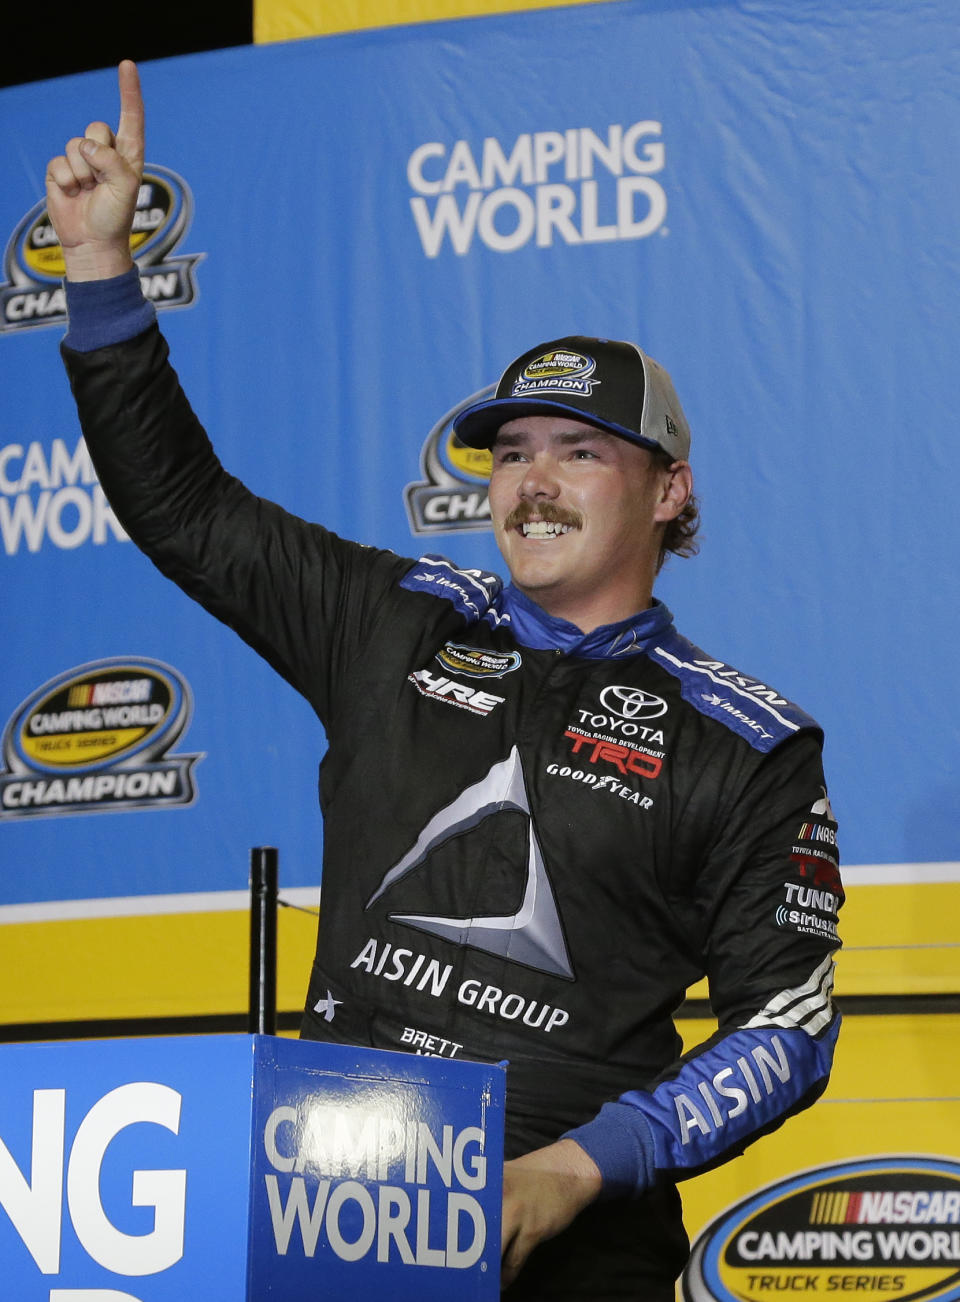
452 495
886 1226
474 662
557 372
32 294
96 738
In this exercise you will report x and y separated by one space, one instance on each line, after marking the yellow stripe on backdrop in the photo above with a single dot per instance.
181 964
290 20
180 961
900 939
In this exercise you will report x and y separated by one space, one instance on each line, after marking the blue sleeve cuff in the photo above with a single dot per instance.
103 312
620 1141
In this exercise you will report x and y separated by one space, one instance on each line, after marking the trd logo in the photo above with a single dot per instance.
624 758
824 873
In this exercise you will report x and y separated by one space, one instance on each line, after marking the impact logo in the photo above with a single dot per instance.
885 1226
719 702
572 186
34 267
557 372
453 493
96 738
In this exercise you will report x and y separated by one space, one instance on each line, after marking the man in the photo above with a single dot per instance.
583 813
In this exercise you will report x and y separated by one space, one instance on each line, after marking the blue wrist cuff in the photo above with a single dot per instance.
620 1142
103 312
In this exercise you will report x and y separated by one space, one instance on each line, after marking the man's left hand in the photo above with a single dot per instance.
542 1193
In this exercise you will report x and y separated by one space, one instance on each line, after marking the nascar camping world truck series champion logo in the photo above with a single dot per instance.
557 372
877 1227
453 493
96 738
33 295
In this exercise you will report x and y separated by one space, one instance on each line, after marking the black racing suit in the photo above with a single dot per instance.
534 841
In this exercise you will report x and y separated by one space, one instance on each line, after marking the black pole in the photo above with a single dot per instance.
263 941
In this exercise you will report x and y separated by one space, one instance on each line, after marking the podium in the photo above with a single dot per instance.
245 1169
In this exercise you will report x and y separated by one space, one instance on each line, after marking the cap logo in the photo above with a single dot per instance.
558 371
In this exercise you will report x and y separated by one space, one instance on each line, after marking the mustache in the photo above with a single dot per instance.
549 512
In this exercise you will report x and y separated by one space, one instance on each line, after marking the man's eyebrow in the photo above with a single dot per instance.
515 437
584 436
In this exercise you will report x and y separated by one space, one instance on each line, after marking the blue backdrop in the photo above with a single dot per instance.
349 236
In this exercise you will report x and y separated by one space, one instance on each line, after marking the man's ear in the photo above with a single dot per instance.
676 490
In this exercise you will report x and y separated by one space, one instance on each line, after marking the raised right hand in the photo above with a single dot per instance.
92 188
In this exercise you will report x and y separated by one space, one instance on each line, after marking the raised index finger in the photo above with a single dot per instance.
130 131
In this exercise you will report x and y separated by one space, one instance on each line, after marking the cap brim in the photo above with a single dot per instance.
477 426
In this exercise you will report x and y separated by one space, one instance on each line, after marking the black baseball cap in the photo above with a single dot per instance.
608 383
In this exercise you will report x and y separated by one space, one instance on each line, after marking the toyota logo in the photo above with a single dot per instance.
632 703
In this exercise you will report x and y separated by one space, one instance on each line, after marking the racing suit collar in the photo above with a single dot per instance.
533 627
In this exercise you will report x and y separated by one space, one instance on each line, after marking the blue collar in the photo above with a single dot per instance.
533 627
